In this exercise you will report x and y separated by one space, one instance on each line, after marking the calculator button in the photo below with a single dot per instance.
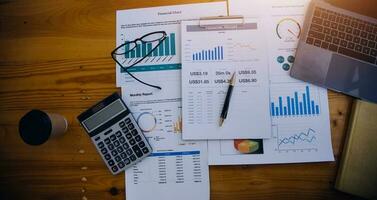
131 126
123 155
145 150
107 141
127 120
122 124
118 134
127 161
120 149
97 138
121 164
137 151
118 158
107 157
141 144
122 140
104 151
112 137
125 146
125 129
111 162
138 138
115 168
132 141
114 152
133 157
101 145
111 146
128 136
129 152
109 131
116 143
134 132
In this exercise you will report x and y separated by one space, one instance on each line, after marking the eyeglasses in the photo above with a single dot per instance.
125 56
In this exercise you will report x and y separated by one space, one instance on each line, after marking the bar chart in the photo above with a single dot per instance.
217 53
167 48
296 104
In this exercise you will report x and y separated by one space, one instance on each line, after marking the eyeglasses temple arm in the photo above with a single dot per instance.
125 69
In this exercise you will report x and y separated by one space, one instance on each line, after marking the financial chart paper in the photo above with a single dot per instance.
176 169
210 55
299 111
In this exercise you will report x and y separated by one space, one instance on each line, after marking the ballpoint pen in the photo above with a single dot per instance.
224 112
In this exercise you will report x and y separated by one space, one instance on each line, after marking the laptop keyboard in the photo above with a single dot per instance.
343 34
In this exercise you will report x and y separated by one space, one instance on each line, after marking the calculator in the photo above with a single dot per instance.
115 133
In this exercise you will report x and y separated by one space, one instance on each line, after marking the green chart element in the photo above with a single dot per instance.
149 68
166 48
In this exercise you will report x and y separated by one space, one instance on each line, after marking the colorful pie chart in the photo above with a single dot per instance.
246 146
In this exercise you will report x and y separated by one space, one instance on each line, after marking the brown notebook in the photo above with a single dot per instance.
358 167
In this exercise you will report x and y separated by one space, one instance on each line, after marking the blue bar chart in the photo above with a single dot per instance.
217 53
167 48
295 105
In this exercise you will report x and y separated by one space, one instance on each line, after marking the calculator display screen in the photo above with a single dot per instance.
104 115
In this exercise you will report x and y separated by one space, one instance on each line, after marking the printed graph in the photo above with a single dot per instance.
296 139
147 121
177 125
165 57
154 121
167 48
231 49
216 53
295 104
244 46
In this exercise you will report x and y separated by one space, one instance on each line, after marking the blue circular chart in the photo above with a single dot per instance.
286 66
291 59
280 59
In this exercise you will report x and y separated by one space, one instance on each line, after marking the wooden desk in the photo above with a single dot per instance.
55 56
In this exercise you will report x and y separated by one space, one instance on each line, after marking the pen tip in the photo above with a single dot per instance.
221 122
232 79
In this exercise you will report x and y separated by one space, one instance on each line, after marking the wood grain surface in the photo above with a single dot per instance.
55 56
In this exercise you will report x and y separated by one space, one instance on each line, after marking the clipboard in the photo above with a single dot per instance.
209 23
212 49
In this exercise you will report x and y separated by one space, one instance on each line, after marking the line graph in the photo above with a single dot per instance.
304 137
244 46
296 139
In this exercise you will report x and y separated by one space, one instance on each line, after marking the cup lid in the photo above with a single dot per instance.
35 127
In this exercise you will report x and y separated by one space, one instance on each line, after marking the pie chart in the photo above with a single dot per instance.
147 121
246 146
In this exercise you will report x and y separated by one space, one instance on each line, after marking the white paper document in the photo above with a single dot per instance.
176 169
211 53
299 111
134 23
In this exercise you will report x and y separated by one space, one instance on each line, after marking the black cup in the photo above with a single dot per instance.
36 127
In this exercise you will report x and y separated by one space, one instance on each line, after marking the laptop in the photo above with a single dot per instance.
338 51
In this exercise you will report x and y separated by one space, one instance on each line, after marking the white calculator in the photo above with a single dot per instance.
115 133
